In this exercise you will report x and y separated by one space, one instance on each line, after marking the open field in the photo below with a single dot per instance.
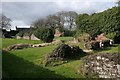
26 63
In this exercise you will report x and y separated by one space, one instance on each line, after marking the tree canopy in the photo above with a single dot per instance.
59 19
104 22
45 34
5 22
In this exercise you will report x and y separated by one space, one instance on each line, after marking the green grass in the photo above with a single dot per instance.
63 38
0 43
7 42
114 48
119 48
26 63
18 64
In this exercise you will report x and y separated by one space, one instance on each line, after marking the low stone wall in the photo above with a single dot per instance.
18 37
103 65
18 46
32 37
25 45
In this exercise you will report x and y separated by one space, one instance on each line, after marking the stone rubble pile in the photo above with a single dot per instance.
63 52
104 65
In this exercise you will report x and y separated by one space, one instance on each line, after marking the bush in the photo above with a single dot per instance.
117 39
69 32
45 34
114 36
27 34
111 35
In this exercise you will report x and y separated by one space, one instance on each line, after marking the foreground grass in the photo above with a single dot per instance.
26 63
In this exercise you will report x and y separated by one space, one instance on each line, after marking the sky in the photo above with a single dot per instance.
23 13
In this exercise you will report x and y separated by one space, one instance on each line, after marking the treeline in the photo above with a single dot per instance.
45 27
63 19
104 22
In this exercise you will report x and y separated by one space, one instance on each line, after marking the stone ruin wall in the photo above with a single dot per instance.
32 37
105 65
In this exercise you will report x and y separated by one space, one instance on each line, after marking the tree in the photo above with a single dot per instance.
39 23
5 22
118 2
67 18
60 19
104 22
51 21
54 21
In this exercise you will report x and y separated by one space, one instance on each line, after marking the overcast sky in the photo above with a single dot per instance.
23 13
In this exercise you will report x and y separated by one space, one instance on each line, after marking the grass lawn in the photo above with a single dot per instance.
119 48
26 63
114 48
7 42
63 38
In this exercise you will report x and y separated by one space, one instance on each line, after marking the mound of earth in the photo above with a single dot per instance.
102 65
62 53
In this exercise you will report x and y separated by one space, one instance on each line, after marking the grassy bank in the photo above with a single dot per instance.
26 63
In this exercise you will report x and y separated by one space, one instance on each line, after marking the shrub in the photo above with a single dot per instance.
117 39
69 32
45 34
111 35
27 34
114 36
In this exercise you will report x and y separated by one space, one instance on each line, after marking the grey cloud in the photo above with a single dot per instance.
30 11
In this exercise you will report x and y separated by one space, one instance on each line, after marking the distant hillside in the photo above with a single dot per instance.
104 22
